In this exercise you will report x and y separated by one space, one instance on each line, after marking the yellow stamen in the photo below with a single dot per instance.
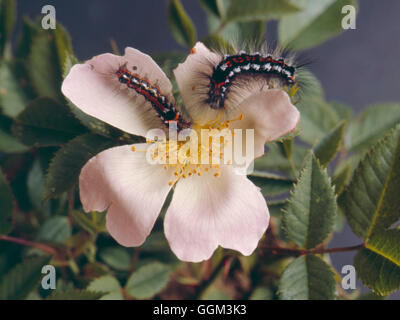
170 152
134 149
214 121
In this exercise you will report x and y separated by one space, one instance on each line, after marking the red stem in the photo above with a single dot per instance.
28 243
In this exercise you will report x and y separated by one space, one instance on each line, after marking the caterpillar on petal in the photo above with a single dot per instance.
164 108
215 80
231 67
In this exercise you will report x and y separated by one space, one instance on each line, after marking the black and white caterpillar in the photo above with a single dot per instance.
152 93
233 66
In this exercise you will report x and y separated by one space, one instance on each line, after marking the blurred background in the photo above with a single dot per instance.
359 67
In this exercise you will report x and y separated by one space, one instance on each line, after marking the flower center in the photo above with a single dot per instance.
198 150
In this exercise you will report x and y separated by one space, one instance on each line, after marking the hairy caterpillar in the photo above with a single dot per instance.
233 66
152 93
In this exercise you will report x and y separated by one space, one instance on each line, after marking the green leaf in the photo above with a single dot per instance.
318 118
169 61
311 209
344 111
101 128
372 206
377 272
46 59
63 45
385 243
254 30
371 200
371 125
7 21
327 148
340 179
275 208
213 6
307 278
222 35
148 280
75 295
316 22
69 61
43 66
181 25
116 257
56 229
352 160
13 80
93 222
28 32
274 160
286 138
9 144
22 279
6 206
108 284
67 163
244 10
155 242
270 184
286 146
46 122
35 183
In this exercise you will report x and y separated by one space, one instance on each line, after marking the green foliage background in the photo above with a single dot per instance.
336 167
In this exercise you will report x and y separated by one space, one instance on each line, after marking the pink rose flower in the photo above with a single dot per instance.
210 207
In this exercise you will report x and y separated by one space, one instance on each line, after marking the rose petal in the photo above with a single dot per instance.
192 80
133 190
271 114
94 88
207 211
